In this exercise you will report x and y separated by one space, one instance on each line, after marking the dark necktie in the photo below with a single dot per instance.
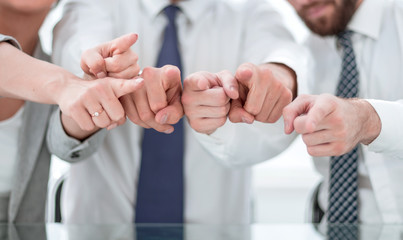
343 183
160 187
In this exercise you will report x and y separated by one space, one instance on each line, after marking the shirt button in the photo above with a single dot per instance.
75 154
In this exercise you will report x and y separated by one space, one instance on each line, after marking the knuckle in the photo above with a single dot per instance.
146 116
113 66
98 63
134 57
222 111
186 98
260 118
221 121
98 88
338 148
305 139
196 126
88 127
287 96
156 106
118 116
287 110
311 151
273 117
148 72
134 118
254 110
222 98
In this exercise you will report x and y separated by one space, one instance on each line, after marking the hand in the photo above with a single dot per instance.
80 99
206 99
264 91
331 126
158 104
113 59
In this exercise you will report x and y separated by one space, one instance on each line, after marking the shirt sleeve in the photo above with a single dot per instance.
70 39
68 148
268 40
240 144
390 139
71 35
11 40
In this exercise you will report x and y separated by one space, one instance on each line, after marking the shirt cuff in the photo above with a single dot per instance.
217 143
299 66
390 139
68 148
11 40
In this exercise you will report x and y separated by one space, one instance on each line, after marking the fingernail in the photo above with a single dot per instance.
232 88
286 126
101 75
245 120
169 131
112 126
164 118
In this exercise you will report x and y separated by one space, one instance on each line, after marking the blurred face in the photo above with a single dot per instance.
27 6
326 17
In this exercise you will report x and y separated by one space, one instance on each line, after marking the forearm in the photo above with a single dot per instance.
67 148
27 78
73 130
24 77
371 123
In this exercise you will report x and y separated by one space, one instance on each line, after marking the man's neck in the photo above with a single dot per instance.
23 27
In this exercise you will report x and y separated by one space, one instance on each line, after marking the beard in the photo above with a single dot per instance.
330 24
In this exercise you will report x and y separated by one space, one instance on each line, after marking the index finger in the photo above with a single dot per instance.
122 44
200 81
248 76
296 108
320 109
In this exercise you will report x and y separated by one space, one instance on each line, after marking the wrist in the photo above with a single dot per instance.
286 75
371 123
59 86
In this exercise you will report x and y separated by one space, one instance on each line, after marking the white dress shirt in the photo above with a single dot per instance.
9 134
213 35
378 46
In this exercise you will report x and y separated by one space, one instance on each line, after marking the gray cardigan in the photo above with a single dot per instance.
27 200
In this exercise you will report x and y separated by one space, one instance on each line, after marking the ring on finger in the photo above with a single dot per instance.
97 113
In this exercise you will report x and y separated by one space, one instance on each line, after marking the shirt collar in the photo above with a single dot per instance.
369 26
193 9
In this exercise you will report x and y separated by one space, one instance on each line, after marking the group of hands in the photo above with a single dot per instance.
116 89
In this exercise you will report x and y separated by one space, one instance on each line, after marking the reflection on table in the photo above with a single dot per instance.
189 232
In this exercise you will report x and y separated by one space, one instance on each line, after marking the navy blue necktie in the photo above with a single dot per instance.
343 182
160 187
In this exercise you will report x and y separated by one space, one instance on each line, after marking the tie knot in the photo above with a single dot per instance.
344 39
170 11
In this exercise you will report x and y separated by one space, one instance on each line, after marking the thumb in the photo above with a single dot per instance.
93 64
238 114
300 106
122 44
229 83
244 74
122 87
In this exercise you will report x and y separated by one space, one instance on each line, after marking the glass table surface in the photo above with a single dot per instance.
191 232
